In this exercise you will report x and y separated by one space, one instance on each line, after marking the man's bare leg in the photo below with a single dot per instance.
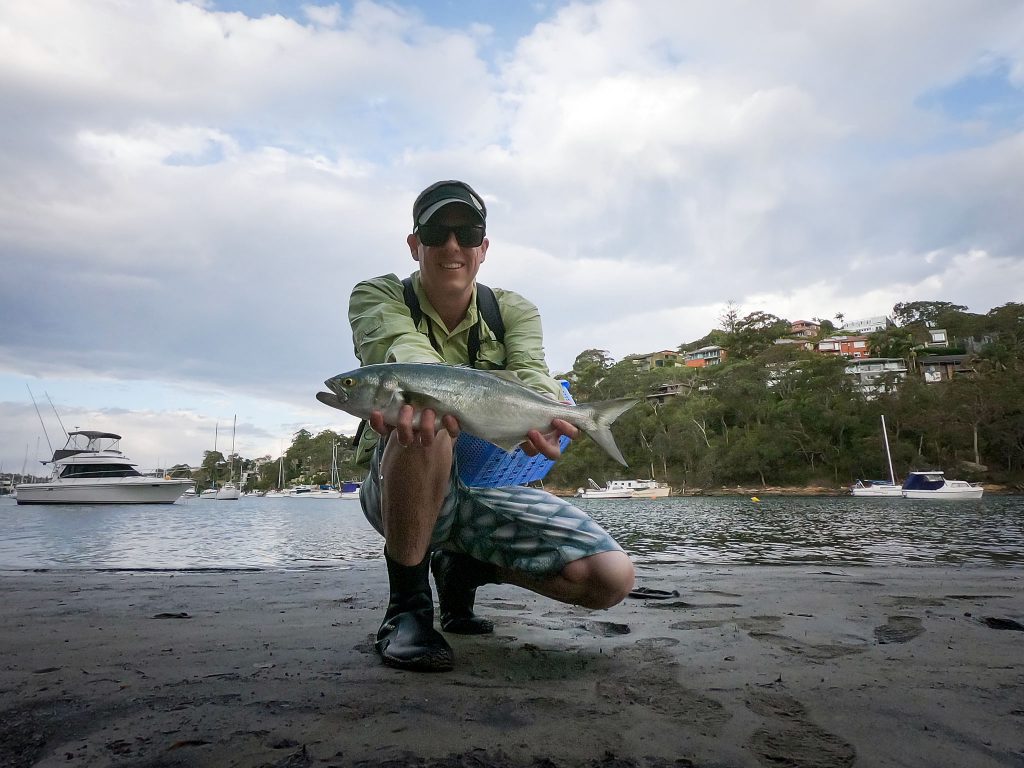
415 470
596 582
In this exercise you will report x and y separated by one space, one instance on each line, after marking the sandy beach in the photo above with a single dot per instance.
747 666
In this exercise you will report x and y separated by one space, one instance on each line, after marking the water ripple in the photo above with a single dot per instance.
302 533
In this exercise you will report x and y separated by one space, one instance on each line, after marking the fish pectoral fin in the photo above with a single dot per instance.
331 399
422 402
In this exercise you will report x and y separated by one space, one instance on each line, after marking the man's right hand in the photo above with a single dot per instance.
410 436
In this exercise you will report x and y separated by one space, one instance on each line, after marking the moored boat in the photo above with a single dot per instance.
90 469
880 488
876 488
624 489
932 484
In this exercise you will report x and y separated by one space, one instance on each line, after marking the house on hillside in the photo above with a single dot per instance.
867 325
804 328
664 359
876 375
936 368
711 355
855 347
664 391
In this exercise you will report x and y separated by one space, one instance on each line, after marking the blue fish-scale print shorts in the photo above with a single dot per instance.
521 528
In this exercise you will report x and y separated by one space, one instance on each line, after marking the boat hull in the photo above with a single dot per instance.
622 494
947 493
878 491
129 490
651 493
227 492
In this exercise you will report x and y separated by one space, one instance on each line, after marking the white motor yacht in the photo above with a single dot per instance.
624 489
90 469
933 484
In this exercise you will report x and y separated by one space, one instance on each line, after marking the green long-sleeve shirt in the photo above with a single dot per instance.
383 332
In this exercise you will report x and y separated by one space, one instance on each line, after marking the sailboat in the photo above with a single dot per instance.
884 488
211 492
279 491
229 491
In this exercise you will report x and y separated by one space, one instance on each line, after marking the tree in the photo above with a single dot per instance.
588 371
928 313
754 334
892 342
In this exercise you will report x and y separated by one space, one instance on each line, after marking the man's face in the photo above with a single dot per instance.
449 268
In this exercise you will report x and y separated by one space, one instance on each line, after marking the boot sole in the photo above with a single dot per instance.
435 661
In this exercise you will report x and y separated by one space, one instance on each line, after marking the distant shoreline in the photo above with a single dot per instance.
782 490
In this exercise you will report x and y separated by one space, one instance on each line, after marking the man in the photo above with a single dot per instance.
413 496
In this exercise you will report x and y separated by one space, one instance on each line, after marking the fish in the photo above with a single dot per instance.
492 405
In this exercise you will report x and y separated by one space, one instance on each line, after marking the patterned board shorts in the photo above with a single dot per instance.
521 528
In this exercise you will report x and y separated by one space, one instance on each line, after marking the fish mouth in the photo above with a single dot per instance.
337 388
331 399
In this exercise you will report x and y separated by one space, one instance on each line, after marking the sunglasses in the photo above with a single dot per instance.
467 235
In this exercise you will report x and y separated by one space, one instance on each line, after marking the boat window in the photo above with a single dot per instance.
99 470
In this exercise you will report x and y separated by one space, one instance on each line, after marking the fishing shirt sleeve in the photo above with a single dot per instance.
524 343
382 327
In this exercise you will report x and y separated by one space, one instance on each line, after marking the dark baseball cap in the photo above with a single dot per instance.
436 196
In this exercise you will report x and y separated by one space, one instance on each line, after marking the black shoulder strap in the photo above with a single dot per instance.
486 307
411 301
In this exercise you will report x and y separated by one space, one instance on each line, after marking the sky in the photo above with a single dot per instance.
190 190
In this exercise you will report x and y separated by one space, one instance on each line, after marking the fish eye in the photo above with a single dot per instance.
348 381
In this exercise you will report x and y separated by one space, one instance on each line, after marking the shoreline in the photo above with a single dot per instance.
783 490
748 666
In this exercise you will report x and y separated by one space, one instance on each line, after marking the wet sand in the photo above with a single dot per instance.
748 666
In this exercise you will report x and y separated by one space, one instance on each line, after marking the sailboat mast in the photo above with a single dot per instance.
888 455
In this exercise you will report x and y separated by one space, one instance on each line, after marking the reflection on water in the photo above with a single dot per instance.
303 533
839 530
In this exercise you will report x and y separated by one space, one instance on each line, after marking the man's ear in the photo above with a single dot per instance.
414 246
483 250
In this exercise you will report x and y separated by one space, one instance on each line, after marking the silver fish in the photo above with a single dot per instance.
492 405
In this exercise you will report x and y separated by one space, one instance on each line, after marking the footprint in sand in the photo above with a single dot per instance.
899 629
797 741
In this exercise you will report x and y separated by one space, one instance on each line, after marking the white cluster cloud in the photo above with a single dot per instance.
188 195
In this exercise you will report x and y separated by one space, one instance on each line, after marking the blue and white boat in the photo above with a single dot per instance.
932 484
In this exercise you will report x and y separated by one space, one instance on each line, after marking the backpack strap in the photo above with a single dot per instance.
486 307
413 303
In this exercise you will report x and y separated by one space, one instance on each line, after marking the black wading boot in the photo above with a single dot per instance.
407 638
457 576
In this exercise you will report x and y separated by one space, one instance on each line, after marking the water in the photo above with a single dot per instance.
305 533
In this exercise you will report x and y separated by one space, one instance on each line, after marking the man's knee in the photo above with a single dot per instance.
608 578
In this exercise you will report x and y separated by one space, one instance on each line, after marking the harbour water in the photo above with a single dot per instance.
283 533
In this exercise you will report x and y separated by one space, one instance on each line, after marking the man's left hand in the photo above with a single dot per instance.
546 443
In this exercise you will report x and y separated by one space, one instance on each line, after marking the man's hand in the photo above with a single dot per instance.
410 436
546 443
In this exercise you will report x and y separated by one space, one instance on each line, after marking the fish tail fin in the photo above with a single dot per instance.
602 415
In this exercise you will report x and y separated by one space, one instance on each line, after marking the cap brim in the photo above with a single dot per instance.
425 216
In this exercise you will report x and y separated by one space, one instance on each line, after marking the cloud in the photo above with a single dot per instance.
189 195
